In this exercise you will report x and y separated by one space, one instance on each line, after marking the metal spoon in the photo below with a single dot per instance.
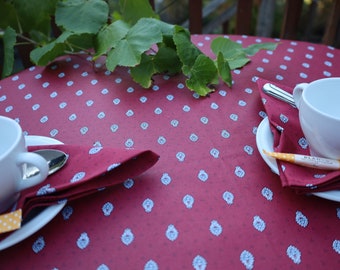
277 92
56 159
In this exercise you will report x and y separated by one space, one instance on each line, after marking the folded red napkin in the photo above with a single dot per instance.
87 170
289 138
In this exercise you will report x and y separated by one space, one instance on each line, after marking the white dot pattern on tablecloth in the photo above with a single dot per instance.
210 202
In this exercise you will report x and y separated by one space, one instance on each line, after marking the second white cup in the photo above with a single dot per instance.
319 115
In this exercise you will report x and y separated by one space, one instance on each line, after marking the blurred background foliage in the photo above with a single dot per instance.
33 20
311 26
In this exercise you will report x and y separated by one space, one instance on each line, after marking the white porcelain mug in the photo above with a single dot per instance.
13 158
319 115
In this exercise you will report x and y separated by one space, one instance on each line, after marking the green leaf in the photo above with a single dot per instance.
166 60
254 48
226 46
8 15
143 73
67 42
43 55
80 42
139 39
238 60
202 74
233 52
224 69
109 36
82 16
167 32
132 10
9 42
186 50
34 15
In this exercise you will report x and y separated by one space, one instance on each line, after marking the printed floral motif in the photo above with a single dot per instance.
112 166
148 204
301 219
103 267
239 172
199 263
95 150
259 224
166 179
336 246
151 265
303 143
203 176
127 237
83 240
47 189
228 197
38 245
171 232
267 193
77 177
107 208
188 201
128 183
215 152
248 149
67 212
294 254
180 156
247 259
284 118
215 228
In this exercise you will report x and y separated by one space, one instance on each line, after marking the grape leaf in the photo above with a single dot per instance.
34 14
226 46
234 53
186 50
66 42
224 69
139 39
238 61
109 36
167 61
8 15
128 10
202 74
164 61
42 55
167 32
9 42
254 48
81 16
143 72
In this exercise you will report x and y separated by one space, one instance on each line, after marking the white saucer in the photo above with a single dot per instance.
46 215
265 141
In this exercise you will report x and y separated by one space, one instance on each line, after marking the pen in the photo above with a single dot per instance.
307 161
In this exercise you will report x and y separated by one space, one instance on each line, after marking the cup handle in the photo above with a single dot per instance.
37 161
297 93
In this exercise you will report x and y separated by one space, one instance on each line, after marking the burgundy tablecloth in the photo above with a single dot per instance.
209 203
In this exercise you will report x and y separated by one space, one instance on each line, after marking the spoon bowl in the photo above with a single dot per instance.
55 159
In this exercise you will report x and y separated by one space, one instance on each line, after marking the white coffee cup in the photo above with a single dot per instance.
13 158
319 115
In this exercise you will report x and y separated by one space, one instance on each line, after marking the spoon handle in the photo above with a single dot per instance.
276 92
